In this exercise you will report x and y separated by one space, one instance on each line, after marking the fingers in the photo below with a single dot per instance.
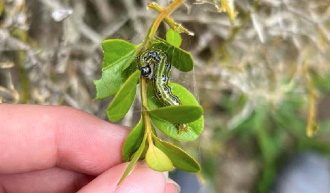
172 187
39 137
141 180
53 180
56 180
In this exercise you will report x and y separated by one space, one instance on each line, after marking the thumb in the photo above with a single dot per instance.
141 180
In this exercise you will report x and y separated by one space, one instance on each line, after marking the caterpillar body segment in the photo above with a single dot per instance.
160 75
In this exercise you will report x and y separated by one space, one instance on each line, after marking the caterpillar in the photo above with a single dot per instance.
160 75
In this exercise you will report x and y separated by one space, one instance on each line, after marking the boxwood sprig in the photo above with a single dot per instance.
121 76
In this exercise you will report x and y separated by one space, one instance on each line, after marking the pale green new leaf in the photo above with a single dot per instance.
158 160
179 158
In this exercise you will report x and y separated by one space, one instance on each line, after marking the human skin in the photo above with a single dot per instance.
63 150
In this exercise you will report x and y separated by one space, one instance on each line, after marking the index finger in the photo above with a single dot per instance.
38 137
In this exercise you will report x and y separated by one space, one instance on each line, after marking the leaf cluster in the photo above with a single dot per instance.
121 77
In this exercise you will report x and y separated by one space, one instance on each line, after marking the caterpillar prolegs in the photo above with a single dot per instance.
154 66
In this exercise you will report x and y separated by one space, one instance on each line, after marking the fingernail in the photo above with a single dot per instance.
165 175
176 186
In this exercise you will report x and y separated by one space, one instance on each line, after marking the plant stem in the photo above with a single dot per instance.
170 21
20 59
145 114
312 126
164 13
155 25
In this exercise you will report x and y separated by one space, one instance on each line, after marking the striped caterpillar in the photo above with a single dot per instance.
160 75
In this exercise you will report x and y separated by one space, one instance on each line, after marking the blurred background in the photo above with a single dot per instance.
263 79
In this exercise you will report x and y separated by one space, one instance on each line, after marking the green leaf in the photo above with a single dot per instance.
173 38
110 82
133 141
134 160
124 98
179 158
195 128
158 160
179 58
178 114
117 51
118 56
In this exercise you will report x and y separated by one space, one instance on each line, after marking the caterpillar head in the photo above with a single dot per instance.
146 71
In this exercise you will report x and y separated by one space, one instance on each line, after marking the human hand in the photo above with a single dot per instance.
45 149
